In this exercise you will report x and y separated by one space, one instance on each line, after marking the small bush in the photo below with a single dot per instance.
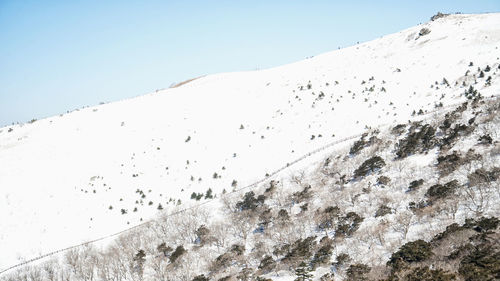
303 195
424 31
483 263
369 166
301 249
250 202
438 16
361 143
382 211
357 272
449 163
398 129
415 184
420 139
179 251
472 93
267 264
427 274
439 191
485 139
383 180
481 176
410 252
201 278
322 256
348 225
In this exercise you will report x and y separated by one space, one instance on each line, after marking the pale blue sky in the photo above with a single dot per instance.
61 55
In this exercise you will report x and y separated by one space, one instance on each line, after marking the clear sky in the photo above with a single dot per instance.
61 55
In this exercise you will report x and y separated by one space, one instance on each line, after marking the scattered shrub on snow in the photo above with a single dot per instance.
328 217
369 166
438 16
250 202
483 260
303 195
323 254
485 139
301 249
267 264
348 224
179 251
481 176
398 129
472 93
439 191
164 249
382 211
410 252
424 31
448 163
357 272
383 180
420 139
201 278
303 272
415 184
361 143
427 274
451 135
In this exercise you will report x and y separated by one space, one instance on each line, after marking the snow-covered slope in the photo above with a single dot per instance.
66 179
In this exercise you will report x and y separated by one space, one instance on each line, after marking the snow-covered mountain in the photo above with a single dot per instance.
98 170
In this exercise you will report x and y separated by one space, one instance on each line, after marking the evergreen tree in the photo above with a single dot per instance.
139 260
303 272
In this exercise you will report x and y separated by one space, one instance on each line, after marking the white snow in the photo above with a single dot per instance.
49 169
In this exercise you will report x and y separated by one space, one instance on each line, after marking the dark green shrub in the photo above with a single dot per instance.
348 225
472 93
415 184
410 252
398 129
450 229
482 224
357 272
201 278
382 211
303 272
383 180
439 191
267 264
424 31
303 195
301 249
250 202
238 249
438 16
328 217
427 274
322 256
369 166
342 259
481 176
361 143
420 139
179 251
449 163
485 139
482 264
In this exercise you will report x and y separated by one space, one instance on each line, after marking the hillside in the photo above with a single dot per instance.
95 171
